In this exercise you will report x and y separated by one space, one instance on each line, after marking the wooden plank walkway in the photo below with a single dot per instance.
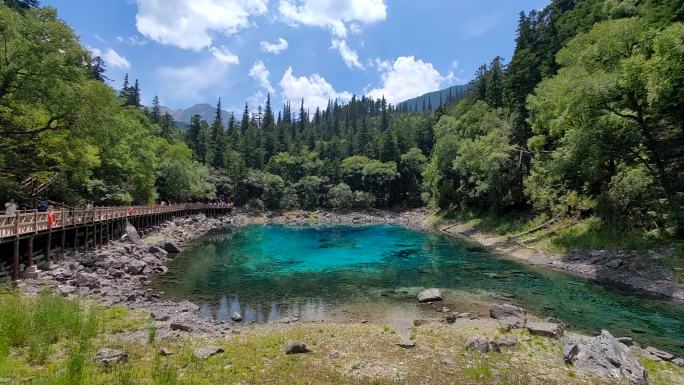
87 227
33 222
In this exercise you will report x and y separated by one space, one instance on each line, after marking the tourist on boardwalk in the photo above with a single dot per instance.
43 205
11 207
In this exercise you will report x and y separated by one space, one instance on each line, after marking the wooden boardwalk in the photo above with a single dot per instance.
93 226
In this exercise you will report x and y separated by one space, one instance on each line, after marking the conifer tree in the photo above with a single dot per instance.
217 138
155 114
125 89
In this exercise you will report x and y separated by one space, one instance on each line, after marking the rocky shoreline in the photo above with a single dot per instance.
621 268
118 274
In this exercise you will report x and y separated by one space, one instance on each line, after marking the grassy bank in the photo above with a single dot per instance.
52 340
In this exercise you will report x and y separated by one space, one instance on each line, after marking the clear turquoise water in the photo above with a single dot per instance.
268 272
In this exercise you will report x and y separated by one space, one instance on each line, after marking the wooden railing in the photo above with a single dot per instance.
26 222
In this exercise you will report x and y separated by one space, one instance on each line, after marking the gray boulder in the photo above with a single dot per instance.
629 341
604 356
89 280
510 323
67 289
132 234
678 362
159 316
614 264
157 250
206 352
180 327
665 356
171 248
110 357
430 295
546 329
505 342
406 344
506 310
295 347
135 267
150 261
481 344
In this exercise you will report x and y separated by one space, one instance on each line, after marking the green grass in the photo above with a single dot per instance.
71 331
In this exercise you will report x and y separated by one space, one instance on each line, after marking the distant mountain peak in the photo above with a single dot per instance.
447 95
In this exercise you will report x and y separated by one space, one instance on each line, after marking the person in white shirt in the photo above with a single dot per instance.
11 208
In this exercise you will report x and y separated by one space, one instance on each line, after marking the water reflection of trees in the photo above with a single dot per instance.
313 309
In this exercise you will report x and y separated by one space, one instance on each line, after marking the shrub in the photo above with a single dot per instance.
341 197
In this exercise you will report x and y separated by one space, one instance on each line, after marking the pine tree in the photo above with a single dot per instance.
268 119
217 139
97 69
155 114
125 89
167 125
134 95
195 138
384 122
302 117
244 124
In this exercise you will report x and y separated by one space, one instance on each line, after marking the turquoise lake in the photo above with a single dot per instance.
269 272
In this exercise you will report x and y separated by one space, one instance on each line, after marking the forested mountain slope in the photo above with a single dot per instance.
585 120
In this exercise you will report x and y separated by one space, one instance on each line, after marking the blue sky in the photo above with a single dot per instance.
195 51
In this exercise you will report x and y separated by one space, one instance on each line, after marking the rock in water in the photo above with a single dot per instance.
545 329
132 233
206 352
110 356
237 317
605 356
506 311
481 344
171 248
295 347
430 295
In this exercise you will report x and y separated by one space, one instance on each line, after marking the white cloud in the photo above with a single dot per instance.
275 48
258 99
111 57
260 73
223 55
406 79
188 82
314 89
134 40
333 14
188 24
350 57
